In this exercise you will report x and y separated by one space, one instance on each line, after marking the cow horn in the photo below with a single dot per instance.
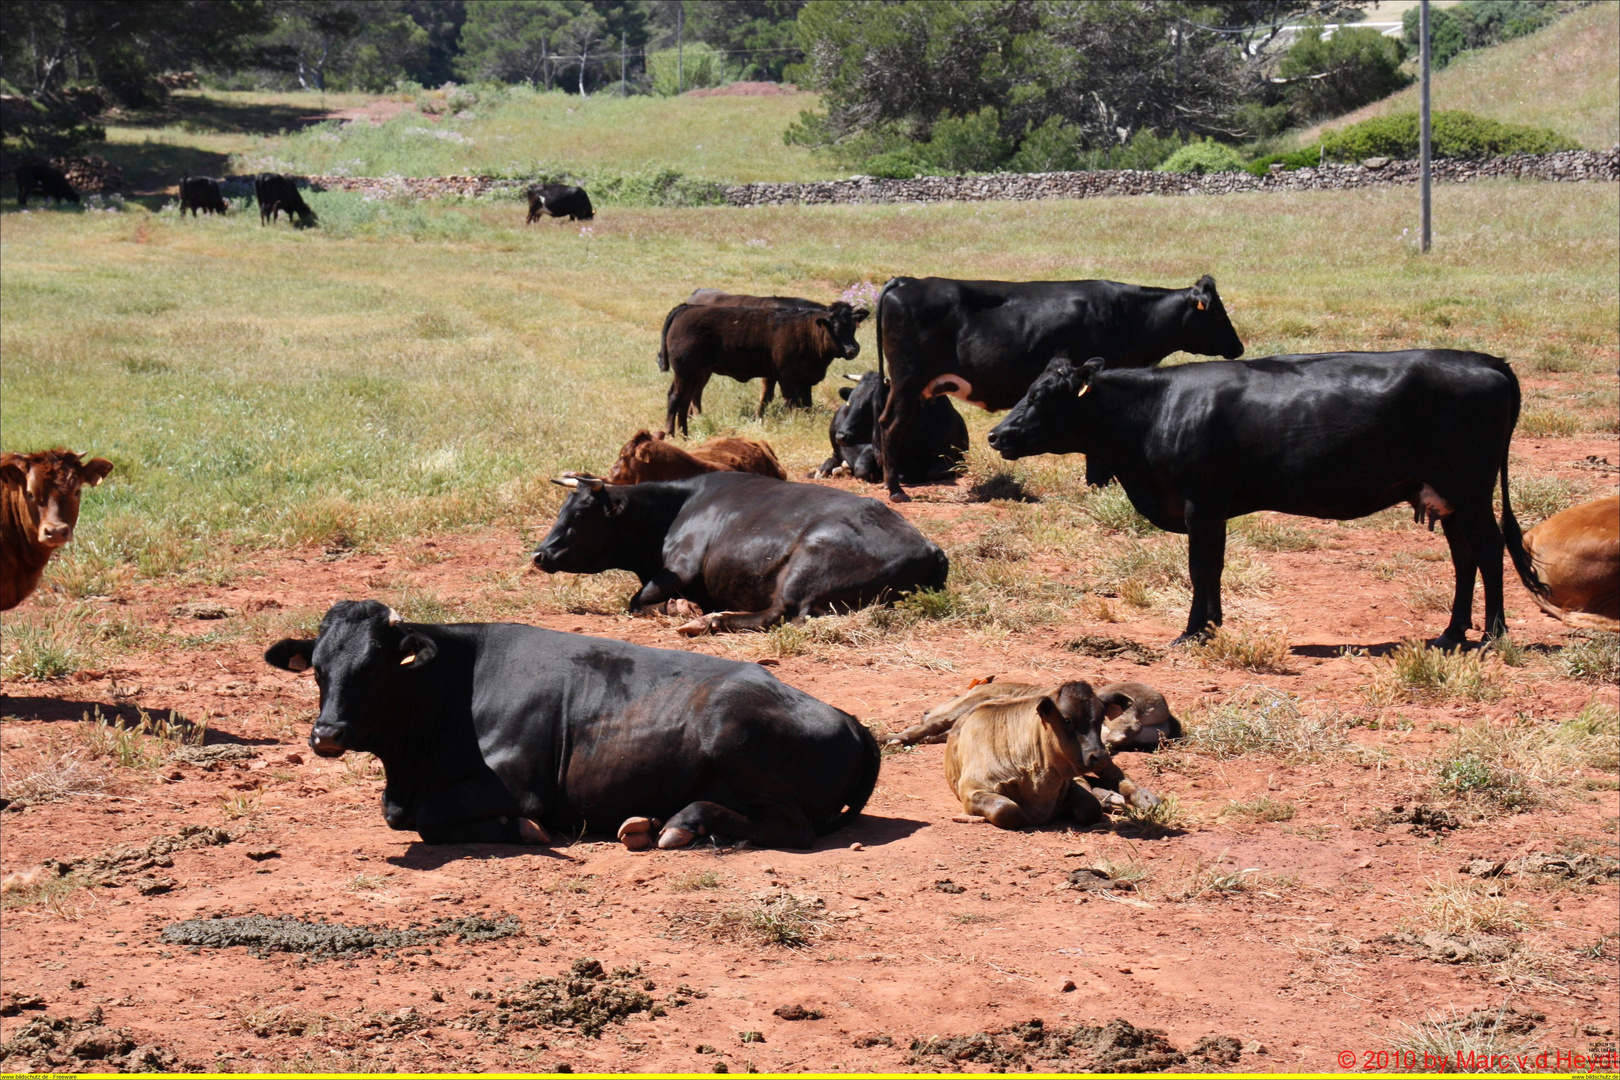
1202 305
852 378
1084 390
411 659
393 617
567 480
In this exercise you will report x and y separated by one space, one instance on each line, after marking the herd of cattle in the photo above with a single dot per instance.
499 733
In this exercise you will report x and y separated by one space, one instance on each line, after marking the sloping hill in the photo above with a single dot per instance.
1565 77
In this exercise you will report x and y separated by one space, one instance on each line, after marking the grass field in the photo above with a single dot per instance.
1565 77
415 367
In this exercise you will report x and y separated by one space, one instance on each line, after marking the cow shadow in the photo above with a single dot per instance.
871 830
1329 652
424 856
120 714
1001 487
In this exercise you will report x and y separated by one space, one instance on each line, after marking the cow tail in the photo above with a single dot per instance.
1512 537
855 797
663 338
878 322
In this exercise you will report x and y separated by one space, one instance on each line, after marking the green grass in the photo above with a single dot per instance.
1563 77
413 368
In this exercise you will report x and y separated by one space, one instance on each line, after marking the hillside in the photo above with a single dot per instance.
1565 77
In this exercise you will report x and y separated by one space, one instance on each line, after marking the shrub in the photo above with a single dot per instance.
1416 672
1208 156
1054 146
1454 134
1475 24
1595 656
964 144
697 66
1144 150
895 165
1343 72
1261 652
1259 720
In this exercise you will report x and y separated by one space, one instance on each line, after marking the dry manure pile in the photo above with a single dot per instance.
264 935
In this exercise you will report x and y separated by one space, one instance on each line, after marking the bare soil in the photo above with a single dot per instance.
1321 956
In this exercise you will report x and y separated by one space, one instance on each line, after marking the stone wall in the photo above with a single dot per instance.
1566 165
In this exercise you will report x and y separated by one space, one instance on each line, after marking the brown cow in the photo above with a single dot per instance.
792 393
651 457
790 345
1143 726
39 506
1017 761
1577 554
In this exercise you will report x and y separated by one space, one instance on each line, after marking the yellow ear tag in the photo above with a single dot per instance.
407 660
1084 390
1201 305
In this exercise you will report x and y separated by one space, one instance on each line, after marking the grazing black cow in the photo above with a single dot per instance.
498 733
1332 435
987 341
933 449
277 193
201 193
46 180
559 201
790 345
795 395
750 550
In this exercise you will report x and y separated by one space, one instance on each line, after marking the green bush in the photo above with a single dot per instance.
1208 156
1296 159
1335 75
1054 146
895 165
1145 150
964 144
1474 24
1454 134
699 65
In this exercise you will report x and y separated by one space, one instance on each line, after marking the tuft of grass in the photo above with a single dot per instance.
1416 672
1537 498
1470 906
1260 810
1595 735
367 882
1111 508
51 779
1593 656
1168 814
1550 423
1129 871
242 804
1263 721
1443 1042
1269 532
1512 767
56 892
784 920
706 879
1265 653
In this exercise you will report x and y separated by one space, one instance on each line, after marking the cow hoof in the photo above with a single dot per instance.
695 628
1447 643
899 496
675 837
1190 638
637 841
530 832
635 826
968 819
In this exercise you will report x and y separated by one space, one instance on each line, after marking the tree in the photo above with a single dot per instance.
537 41
1331 76
757 37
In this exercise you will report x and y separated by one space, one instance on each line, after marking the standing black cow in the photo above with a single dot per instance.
796 396
46 180
790 345
750 549
277 193
201 193
1332 435
498 733
933 449
559 201
987 341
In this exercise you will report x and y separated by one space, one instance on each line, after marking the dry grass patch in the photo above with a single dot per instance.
1593 656
1446 1042
706 879
1261 652
1467 906
1512 767
1415 672
1267 532
783 919
1267 722
1260 810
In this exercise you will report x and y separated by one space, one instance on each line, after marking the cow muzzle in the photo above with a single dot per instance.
55 535
544 560
325 743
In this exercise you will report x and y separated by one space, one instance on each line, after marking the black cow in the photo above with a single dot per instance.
1333 435
277 193
46 180
934 446
201 193
796 396
498 733
788 345
751 549
987 341
559 201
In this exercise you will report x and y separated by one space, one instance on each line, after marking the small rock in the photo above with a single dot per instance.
1483 867
12 1003
153 886
797 1012
1254 1047
1375 162
946 885
263 853
101 1044
704 1048
1068 984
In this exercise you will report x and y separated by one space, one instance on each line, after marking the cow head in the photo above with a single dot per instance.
1205 328
365 660
858 423
585 539
47 485
1051 418
840 322
1074 716
636 450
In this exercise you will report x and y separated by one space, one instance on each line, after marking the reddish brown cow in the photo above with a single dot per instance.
39 506
1576 553
648 457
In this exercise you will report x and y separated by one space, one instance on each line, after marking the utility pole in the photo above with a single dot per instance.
622 40
680 47
1423 117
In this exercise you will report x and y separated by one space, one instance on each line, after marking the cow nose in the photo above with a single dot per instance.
58 534
542 561
324 744
994 437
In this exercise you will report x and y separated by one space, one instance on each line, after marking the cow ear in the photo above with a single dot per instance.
1114 703
290 654
13 471
861 315
611 506
1049 713
1089 371
95 470
825 323
845 391
419 650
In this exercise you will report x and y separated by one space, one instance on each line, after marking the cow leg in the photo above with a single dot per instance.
1084 806
765 396
1112 776
1206 558
778 826
679 404
663 586
893 425
1462 599
1485 539
722 622
998 810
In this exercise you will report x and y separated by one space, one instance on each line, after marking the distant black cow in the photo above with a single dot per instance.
201 193
787 345
751 550
497 733
277 193
795 395
1334 435
46 180
559 201
987 341
933 449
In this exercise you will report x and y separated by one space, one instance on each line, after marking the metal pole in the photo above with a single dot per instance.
680 46
622 40
1423 117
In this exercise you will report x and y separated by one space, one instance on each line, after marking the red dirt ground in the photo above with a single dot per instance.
1299 970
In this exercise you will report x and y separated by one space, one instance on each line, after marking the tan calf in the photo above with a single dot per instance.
39 507
1021 760
1576 553
1147 723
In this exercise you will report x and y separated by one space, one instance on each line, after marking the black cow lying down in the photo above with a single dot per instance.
750 549
498 733
1331 435
933 448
